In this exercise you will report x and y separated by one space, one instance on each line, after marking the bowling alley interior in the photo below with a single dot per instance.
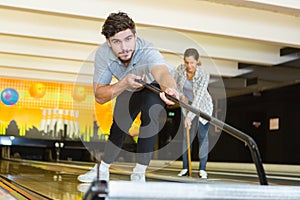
52 130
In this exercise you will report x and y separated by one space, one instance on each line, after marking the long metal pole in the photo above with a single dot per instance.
227 128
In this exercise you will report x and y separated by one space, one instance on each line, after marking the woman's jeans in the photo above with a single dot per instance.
202 130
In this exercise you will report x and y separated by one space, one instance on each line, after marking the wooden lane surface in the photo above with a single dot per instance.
50 180
56 184
59 181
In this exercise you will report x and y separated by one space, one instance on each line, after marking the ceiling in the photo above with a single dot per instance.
247 46
261 78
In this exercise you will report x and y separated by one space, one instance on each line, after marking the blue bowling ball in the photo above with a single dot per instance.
9 96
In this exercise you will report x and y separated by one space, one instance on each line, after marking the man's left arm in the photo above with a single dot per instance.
166 81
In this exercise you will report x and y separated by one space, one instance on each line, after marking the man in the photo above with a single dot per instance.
128 57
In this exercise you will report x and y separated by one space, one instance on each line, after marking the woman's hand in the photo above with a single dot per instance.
187 123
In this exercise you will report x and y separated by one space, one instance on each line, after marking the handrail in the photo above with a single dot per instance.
227 128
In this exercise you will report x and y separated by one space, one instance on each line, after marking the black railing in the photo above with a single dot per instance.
225 127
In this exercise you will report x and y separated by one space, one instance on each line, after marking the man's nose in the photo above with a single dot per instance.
123 45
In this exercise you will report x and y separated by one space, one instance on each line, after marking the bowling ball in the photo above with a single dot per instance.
9 96
79 94
37 90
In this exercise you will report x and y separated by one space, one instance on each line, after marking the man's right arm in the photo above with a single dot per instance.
105 93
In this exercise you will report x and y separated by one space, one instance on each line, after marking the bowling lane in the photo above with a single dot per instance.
53 183
51 180
46 180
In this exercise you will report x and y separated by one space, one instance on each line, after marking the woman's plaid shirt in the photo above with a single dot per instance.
202 99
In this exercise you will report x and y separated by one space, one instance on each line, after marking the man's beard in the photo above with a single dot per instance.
126 51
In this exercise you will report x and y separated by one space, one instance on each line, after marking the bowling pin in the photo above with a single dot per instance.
76 124
67 121
60 123
53 122
43 121
48 121
72 125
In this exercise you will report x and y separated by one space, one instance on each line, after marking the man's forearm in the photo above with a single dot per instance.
105 93
167 81
163 77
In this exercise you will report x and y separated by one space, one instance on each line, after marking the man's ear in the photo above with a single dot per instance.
108 42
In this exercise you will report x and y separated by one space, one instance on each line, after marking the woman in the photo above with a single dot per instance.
192 82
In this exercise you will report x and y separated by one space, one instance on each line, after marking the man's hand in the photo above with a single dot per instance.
130 81
171 92
105 93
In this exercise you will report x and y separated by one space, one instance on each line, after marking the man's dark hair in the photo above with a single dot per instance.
117 22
